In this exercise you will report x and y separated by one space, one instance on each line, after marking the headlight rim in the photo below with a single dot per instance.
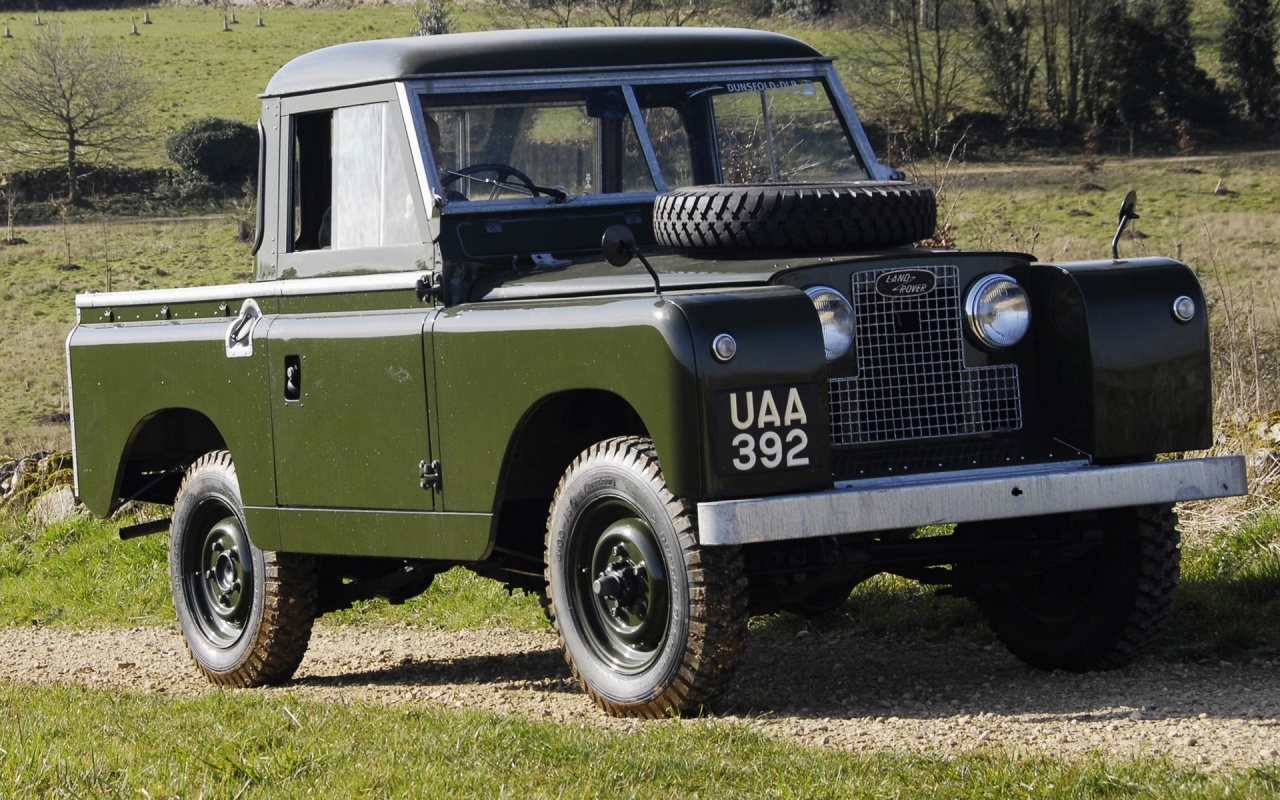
813 292
974 319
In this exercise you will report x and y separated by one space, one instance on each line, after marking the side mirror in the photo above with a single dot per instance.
1128 211
619 246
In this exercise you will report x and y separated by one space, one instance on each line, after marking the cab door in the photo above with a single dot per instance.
350 415
348 370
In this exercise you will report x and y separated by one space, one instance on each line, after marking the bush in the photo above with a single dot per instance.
221 150
432 17
803 10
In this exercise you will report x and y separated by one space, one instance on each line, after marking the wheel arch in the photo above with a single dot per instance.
549 437
159 450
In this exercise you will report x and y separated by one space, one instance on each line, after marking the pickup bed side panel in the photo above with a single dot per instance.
124 374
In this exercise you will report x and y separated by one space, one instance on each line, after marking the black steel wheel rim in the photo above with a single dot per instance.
620 587
218 579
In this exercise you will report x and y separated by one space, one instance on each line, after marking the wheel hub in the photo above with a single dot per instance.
220 586
622 591
619 586
224 577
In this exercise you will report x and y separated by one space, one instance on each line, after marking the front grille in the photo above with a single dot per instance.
911 380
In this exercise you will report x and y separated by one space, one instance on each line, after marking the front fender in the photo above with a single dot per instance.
1123 377
496 361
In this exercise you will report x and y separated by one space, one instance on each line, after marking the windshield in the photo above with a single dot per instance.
554 146
747 132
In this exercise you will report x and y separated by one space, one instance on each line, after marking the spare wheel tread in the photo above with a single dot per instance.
796 216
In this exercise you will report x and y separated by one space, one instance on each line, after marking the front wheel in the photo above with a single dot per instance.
246 614
1095 611
652 623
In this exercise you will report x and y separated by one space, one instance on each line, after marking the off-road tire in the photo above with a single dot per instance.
795 217
246 614
1097 611
681 608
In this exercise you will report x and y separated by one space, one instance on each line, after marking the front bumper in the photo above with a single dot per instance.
913 501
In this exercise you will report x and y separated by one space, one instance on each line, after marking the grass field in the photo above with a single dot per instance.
196 69
72 742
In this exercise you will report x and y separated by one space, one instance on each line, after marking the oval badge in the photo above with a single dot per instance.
905 283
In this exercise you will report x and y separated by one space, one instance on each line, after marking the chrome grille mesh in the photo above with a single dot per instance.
912 382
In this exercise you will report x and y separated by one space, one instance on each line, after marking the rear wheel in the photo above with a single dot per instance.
246 614
652 623
1098 610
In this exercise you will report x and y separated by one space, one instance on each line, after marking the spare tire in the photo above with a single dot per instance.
796 216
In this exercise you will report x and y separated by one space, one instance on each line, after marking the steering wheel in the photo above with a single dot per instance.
502 173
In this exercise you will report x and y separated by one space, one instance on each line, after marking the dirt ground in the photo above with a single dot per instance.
844 690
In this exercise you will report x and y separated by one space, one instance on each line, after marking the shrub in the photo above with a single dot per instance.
221 150
432 17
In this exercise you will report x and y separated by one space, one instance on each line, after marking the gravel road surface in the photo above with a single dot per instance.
841 690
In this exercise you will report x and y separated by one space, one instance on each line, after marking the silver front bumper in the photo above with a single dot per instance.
913 501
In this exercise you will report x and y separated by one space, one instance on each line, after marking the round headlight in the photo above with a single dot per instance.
836 316
998 311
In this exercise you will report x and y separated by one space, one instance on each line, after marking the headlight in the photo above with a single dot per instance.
836 316
998 311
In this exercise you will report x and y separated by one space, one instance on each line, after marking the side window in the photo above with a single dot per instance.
351 181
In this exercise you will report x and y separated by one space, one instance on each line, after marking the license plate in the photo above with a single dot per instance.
765 430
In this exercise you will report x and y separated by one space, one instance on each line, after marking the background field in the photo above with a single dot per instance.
74 742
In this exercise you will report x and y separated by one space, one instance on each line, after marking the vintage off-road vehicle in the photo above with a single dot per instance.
633 319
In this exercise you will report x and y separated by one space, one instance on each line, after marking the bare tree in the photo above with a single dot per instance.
928 37
72 104
8 165
1078 37
1004 33
623 13
536 13
682 12
6 183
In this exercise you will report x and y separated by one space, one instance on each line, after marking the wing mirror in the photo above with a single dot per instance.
619 246
1127 212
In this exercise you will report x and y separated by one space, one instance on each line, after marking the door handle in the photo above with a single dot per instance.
239 338
292 378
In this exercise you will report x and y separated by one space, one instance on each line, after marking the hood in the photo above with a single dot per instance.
677 272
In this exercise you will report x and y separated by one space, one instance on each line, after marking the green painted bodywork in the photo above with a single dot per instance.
394 381
497 361
124 375
358 430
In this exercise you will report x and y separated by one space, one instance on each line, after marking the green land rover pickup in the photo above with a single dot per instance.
635 320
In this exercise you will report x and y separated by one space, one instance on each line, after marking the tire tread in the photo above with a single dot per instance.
717 591
290 600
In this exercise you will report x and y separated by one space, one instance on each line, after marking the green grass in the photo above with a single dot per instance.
70 741
1229 603
78 574
199 71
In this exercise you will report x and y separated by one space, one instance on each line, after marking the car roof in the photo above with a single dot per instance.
523 51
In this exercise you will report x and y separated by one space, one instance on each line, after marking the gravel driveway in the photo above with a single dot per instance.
842 690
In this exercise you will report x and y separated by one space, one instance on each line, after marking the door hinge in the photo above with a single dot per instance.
430 475
430 287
